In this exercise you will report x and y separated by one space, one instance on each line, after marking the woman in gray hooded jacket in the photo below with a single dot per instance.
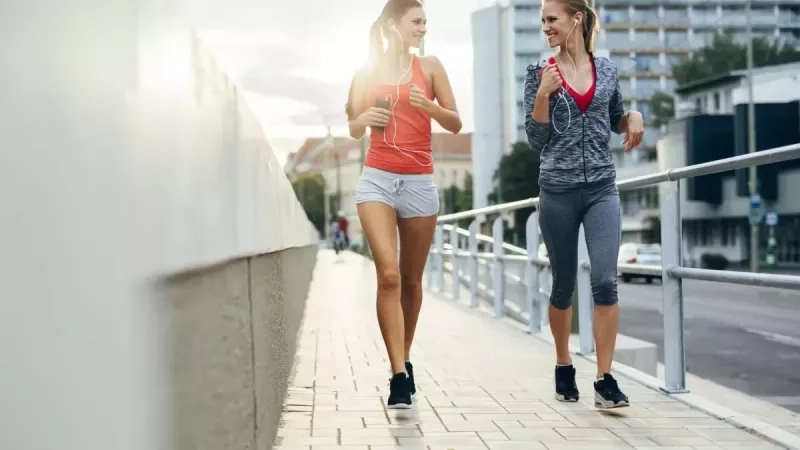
572 105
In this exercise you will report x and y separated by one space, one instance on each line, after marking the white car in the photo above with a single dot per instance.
633 253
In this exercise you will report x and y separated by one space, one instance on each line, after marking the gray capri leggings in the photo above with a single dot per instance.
411 195
560 218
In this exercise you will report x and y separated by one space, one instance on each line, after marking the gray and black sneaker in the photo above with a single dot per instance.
566 388
607 393
399 392
410 371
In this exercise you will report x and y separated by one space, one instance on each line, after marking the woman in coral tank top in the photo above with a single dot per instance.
396 96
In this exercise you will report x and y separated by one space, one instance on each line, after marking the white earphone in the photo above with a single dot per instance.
393 103
562 90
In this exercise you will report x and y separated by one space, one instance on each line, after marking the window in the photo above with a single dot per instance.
616 39
623 63
647 16
674 60
527 17
646 87
647 63
644 108
702 15
625 87
676 39
647 39
616 15
676 16
716 102
702 38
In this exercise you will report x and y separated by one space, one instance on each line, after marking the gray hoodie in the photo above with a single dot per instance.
580 154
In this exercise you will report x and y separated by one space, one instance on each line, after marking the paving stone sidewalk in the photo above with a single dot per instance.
482 384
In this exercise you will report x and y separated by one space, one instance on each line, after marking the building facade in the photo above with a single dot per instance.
644 39
716 209
494 93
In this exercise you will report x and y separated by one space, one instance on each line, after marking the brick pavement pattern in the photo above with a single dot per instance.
481 384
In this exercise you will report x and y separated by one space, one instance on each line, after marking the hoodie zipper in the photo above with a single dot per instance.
583 147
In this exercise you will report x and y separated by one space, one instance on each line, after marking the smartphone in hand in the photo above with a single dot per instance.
382 103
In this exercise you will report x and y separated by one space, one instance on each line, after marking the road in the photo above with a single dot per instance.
743 337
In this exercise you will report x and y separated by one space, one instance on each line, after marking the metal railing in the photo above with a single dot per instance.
671 270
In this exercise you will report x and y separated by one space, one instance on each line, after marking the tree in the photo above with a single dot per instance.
457 199
725 54
517 178
464 199
310 191
662 109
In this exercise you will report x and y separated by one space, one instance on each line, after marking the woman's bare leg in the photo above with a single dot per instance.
379 223
416 235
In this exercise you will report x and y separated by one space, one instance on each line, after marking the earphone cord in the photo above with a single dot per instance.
404 151
564 91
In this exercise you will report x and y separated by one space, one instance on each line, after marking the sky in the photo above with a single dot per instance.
294 59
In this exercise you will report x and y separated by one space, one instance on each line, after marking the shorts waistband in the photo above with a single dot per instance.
408 178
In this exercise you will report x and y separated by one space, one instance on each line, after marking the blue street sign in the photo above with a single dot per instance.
771 219
756 213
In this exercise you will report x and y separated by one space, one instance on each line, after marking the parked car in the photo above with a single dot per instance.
633 253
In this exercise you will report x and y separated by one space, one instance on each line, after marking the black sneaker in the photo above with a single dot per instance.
607 393
566 389
399 392
410 371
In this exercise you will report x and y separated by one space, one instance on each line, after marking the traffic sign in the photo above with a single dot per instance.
771 219
756 213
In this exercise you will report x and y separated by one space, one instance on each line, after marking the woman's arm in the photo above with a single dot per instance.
616 108
537 111
355 105
628 122
444 111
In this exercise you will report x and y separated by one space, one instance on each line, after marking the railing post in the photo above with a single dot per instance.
456 288
585 303
498 275
672 288
439 241
429 269
473 263
532 273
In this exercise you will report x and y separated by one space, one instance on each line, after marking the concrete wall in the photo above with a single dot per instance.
232 332
128 158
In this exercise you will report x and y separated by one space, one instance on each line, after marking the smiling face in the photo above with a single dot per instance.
411 27
558 23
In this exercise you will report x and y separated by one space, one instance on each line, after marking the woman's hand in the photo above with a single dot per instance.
374 117
419 100
551 80
634 130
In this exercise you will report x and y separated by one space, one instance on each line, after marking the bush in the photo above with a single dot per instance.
714 261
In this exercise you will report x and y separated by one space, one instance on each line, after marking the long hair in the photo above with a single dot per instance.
590 25
392 10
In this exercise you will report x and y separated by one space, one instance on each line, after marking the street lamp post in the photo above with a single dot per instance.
751 144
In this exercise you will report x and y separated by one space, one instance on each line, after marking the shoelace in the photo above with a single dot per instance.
611 385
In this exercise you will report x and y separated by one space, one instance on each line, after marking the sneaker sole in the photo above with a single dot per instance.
561 398
600 402
399 406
